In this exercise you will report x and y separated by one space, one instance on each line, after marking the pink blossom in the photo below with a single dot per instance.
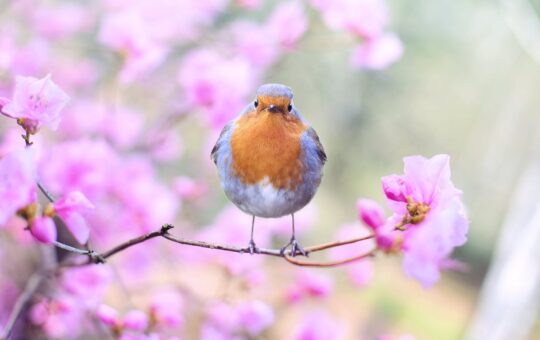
135 320
87 284
37 101
43 229
378 53
17 183
188 188
309 283
249 4
108 315
223 317
247 43
216 84
58 317
371 213
287 24
83 117
255 316
126 32
123 127
436 221
3 102
317 325
61 20
70 209
62 169
166 309
366 18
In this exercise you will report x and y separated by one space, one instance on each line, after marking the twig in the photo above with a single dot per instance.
31 287
337 244
164 232
304 263
45 192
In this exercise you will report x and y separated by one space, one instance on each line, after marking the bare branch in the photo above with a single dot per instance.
31 286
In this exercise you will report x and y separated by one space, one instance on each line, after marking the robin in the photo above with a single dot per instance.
269 160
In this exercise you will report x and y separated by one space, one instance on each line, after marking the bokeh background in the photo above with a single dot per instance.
466 85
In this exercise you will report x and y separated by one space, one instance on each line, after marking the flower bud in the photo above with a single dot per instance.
394 188
43 229
370 213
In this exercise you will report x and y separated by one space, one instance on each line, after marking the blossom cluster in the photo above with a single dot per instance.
100 92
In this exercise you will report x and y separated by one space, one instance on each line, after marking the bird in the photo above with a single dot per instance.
270 160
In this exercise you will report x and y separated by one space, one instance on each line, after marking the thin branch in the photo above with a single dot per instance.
336 244
202 244
303 263
31 286
71 249
45 192
163 231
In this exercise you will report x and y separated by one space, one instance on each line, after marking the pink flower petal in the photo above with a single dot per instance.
371 213
43 229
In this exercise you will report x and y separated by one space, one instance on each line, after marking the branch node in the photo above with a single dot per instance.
96 257
165 228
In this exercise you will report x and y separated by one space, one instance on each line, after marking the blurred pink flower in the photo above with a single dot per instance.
432 206
188 188
70 209
37 101
360 272
62 169
166 146
365 18
247 43
255 316
108 315
87 284
287 24
17 184
223 317
216 84
127 33
308 283
59 317
249 4
133 183
317 325
32 58
3 101
83 118
43 229
135 320
61 20
370 213
123 127
166 309
378 53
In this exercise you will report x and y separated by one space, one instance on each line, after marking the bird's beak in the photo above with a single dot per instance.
273 108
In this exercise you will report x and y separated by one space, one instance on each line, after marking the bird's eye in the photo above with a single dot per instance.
255 103
289 107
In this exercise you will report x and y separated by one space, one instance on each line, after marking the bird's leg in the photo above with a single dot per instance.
252 247
295 247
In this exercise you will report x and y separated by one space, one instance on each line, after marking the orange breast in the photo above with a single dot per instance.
267 144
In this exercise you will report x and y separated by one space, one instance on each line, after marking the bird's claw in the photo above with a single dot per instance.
296 249
252 248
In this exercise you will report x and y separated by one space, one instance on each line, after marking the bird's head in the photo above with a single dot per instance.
274 98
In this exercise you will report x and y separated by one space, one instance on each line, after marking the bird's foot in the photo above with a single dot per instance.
296 249
252 248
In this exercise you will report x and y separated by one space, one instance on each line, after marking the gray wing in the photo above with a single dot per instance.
220 141
317 143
